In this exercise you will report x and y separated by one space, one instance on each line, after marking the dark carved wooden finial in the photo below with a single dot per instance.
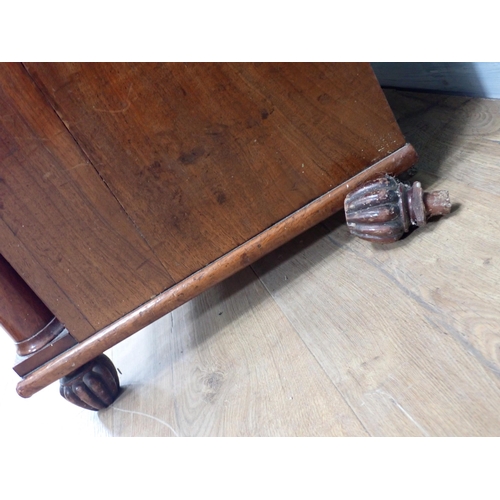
384 209
93 386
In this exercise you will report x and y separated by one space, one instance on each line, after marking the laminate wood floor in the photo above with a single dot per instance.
329 335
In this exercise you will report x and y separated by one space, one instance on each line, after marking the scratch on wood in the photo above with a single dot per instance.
114 111
407 415
79 165
48 174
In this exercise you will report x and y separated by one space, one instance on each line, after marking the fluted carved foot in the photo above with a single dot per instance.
93 386
384 209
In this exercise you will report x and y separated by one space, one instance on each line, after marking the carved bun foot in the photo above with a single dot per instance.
384 209
93 386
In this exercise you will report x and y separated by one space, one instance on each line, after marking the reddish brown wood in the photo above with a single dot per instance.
205 156
118 180
93 386
265 242
60 227
38 335
23 315
436 203
28 363
127 189
40 339
383 209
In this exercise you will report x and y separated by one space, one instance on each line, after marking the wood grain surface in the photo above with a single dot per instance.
211 274
330 335
203 157
119 180
60 227
22 314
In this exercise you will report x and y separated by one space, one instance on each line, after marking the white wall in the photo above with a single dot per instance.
474 79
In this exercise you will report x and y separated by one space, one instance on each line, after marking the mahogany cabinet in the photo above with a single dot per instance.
128 189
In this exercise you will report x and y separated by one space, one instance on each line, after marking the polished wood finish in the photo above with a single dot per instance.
128 189
93 386
60 227
40 339
212 274
38 335
202 157
384 209
328 335
119 180
23 315
30 362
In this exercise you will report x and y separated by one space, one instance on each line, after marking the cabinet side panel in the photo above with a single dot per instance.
60 227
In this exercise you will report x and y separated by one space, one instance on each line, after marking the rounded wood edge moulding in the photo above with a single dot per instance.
242 256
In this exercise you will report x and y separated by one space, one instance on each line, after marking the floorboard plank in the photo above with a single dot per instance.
228 363
392 357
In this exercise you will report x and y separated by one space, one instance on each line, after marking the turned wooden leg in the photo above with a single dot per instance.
384 209
23 315
93 386
33 327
